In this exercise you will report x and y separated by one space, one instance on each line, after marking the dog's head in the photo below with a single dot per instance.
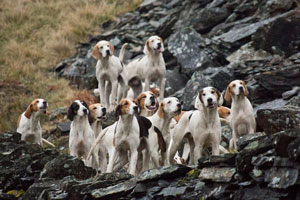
210 97
147 100
97 112
37 105
224 112
103 49
126 107
78 108
154 45
170 106
236 88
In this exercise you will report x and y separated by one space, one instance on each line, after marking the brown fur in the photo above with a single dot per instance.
223 111
96 53
112 48
161 111
31 108
93 114
140 100
177 117
155 91
122 108
246 92
228 92
83 95
147 45
19 119
200 95
217 93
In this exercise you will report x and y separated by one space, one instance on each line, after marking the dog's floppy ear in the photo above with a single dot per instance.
246 92
161 109
147 48
71 111
28 111
155 91
220 97
112 48
227 96
96 53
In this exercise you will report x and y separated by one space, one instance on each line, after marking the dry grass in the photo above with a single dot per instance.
35 35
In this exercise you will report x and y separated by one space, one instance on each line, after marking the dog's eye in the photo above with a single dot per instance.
37 101
228 113
107 45
212 92
101 47
95 108
169 102
152 40
203 94
143 97
126 103
233 85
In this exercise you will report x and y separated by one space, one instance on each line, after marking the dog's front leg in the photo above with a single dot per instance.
162 88
133 162
147 84
101 86
112 158
113 96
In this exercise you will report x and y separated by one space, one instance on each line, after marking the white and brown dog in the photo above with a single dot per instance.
121 138
150 68
201 127
96 117
242 120
81 135
147 103
29 122
159 133
108 73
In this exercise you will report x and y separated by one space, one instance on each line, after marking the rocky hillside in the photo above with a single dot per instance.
207 42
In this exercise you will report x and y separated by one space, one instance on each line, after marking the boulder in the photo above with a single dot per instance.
219 174
275 120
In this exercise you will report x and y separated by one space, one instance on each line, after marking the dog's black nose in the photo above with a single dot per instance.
241 88
104 110
108 52
84 110
45 103
158 45
135 108
179 105
209 100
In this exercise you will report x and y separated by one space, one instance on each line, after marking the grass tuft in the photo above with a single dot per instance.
36 35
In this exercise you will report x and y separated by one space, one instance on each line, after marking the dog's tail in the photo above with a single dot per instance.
121 55
47 142
100 136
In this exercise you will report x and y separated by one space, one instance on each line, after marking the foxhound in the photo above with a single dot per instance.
159 133
200 127
147 103
242 120
149 68
96 117
120 138
29 122
81 135
108 73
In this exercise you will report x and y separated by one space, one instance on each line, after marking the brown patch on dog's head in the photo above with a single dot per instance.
123 107
140 101
246 92
228 92
217 93
96 53
161 111
200 96
93 112
112 48
32 107
177 117
155 91
223 111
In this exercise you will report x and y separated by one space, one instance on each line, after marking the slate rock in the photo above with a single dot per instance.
163 173
281 178
218 174
275 120
191 51
65 165
293 150
174 82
